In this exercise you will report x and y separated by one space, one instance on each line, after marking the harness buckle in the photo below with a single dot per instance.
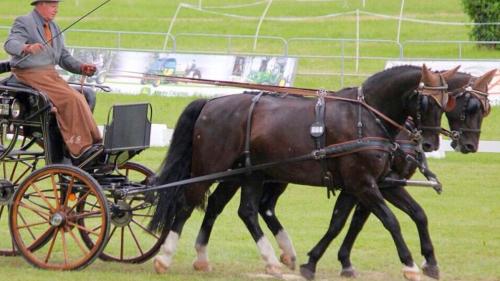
318 154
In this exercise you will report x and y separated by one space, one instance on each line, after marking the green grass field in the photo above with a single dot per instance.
464 220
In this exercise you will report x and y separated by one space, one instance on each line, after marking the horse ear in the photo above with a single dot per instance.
450 73
481 83
429 78
450 105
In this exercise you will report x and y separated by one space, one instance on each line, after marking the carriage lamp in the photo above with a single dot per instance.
5 106
16 109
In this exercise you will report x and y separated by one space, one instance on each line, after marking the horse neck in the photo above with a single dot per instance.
390 94
458 81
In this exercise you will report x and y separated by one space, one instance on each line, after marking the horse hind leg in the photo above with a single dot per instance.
251 193
216 203
271 193
163 260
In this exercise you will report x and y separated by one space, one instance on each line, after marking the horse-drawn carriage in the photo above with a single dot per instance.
62 216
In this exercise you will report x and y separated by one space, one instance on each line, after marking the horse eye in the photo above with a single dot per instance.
424 103
473 106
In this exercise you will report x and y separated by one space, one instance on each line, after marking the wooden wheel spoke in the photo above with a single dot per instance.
83 228
37 211
44 236
44 198
49 252
54 188
141 215
29 229
93 214
68 192
112 232
145 229
64 245
31 224
78 242
122 242
135 239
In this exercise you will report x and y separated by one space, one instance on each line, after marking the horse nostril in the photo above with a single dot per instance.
427 147
470 147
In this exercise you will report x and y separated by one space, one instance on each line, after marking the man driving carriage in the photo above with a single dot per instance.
35 48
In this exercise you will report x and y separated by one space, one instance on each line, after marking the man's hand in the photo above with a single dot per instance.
88 69
33 48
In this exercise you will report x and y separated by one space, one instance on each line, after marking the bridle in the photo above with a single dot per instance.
439 94
468 93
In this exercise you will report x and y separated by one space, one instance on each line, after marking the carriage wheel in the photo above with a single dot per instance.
48 210
129 240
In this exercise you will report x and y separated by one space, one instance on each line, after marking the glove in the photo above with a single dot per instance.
88 69
33 48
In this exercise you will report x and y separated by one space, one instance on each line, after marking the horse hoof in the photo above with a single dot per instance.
159 266
431 271
306 272
288 261
203 266
274 270
411 273
349 272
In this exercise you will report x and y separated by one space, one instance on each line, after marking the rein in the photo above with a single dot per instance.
307 92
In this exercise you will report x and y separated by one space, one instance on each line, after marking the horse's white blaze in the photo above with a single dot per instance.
168 248
267 252
285 243
202 252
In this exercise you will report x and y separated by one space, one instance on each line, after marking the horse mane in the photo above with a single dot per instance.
381 77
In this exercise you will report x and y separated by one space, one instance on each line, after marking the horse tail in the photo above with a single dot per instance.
175 167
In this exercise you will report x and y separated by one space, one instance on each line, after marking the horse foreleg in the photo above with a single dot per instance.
270 195
400 198
251 192
216 203
359 219
373 200
163 260
343 206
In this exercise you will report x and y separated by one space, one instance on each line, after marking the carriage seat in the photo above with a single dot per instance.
12 81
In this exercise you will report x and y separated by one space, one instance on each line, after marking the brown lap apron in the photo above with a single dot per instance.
73 115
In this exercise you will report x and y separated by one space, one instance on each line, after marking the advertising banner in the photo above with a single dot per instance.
476 68
132 72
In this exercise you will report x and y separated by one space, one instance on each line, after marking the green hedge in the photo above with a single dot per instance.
484 11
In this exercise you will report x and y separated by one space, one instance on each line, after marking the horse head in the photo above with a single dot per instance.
429 103
472 105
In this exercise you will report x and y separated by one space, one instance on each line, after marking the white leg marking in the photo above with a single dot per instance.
202 252
267 252
285 243
168 248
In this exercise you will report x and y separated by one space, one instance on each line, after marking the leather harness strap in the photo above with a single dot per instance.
318 133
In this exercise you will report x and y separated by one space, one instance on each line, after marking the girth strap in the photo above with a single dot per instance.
319 136
246 152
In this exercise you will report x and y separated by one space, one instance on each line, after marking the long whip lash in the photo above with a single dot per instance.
68 27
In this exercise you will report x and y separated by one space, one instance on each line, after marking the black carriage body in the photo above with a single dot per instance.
25 116
30 135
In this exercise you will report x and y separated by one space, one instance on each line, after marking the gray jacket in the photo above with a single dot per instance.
28 29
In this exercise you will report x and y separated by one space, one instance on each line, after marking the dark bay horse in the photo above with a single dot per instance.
472 107
278 134
465 122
